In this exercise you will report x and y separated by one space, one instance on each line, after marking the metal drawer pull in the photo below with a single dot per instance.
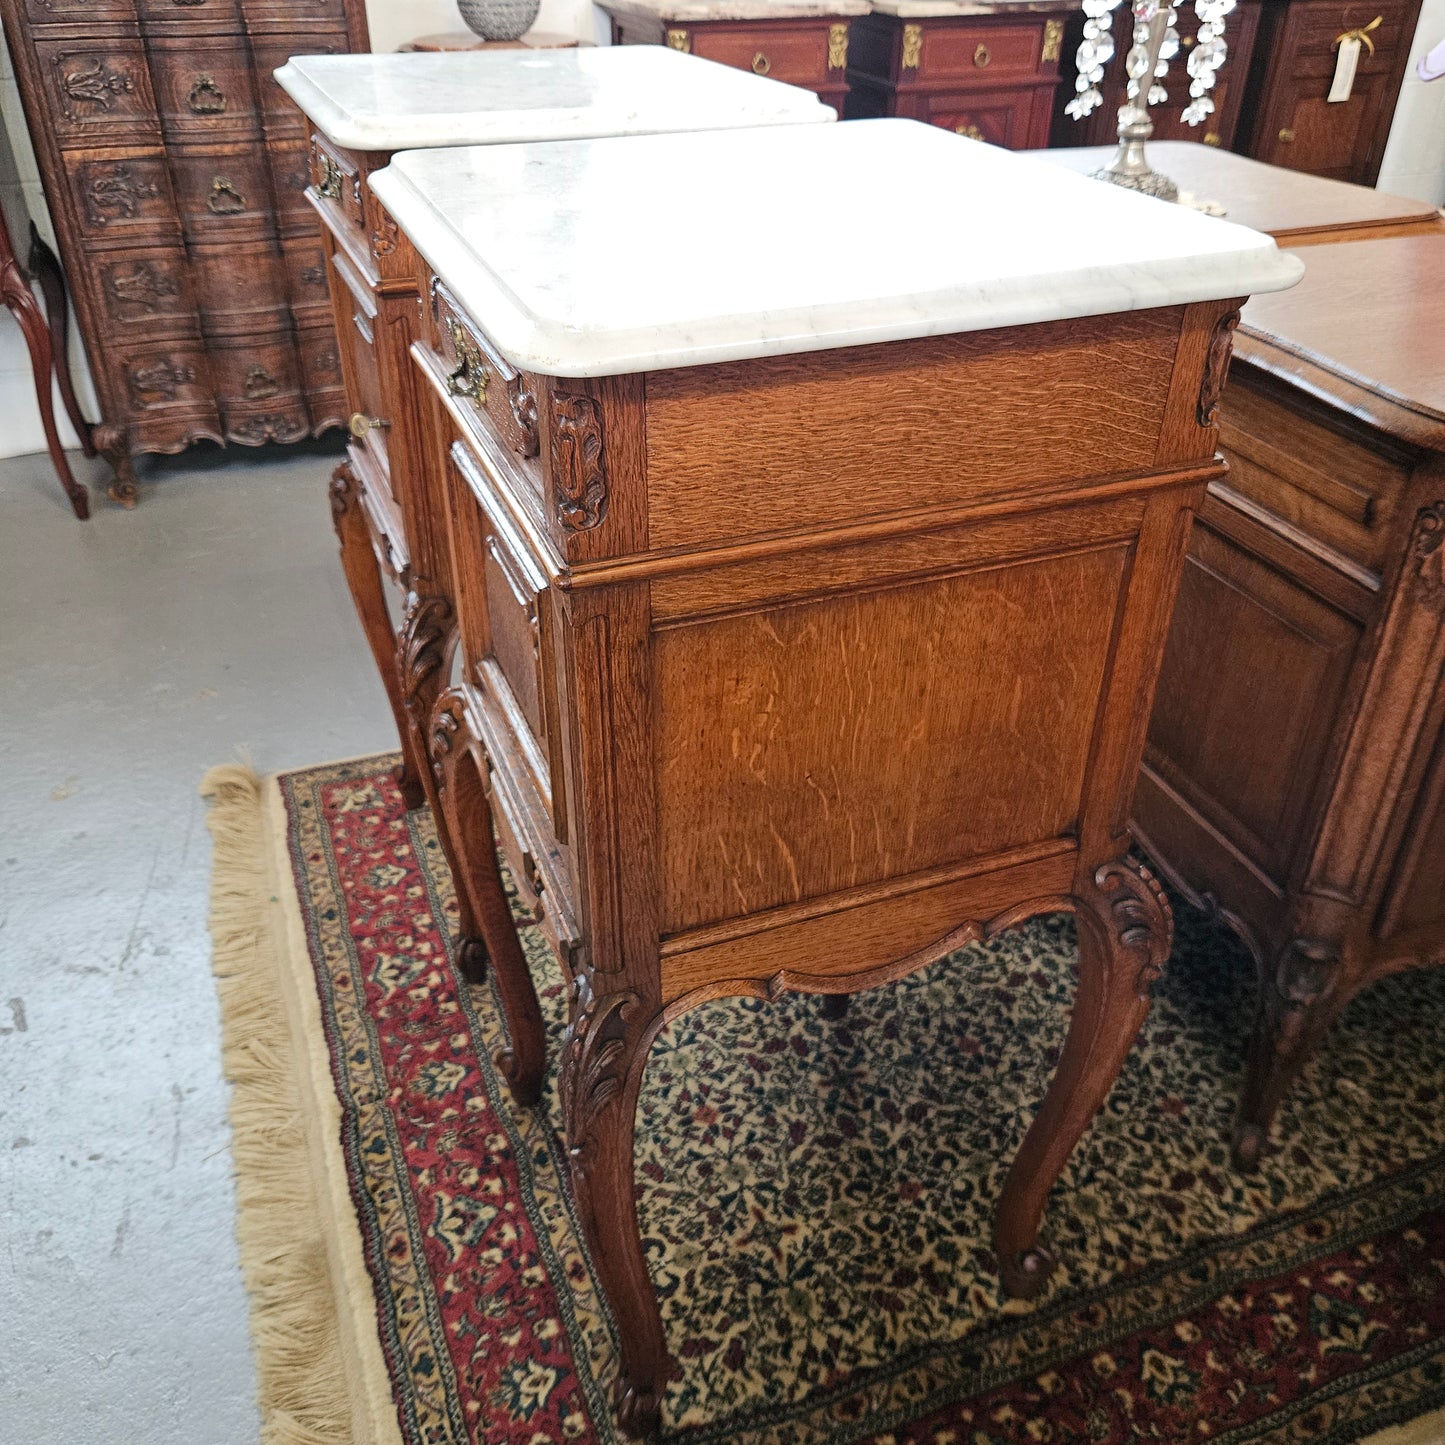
1287 136
761 64
981 57
328 177
360 424
469 376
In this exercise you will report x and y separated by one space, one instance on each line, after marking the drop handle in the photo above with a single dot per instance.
360 424
981 56
761 64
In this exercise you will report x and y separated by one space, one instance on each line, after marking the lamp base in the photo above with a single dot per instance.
1150 182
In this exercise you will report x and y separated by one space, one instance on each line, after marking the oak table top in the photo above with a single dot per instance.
1293 207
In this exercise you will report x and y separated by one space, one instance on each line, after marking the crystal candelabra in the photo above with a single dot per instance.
1155 42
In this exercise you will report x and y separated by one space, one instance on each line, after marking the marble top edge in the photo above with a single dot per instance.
569 287
699 11
424 100
944 9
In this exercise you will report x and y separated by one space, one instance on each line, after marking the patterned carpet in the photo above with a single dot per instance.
815 1196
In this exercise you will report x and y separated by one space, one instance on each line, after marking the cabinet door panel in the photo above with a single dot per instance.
1015 119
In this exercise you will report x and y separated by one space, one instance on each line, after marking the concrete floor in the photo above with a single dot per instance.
136 650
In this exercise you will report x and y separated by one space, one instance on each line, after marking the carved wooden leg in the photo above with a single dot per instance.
111 443
462 798
835 1006
46 269
1298 1002
18 297
1125 934
363 577
603 1058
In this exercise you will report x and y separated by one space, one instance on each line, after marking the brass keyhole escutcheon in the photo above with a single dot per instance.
360 424
1287 136
761 64
981 57
328 177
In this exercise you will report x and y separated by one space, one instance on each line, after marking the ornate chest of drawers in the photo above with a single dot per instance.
176 175
773 666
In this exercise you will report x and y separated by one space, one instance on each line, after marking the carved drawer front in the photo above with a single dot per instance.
336 185
976 52
164 377
189 16
794 54
355 334
203 86
290 176
287 12
224 193
270 52
148 293
1308 475
320 359
1015 119
489 388
242 287
505 624
99 91
256 369
305 265
71 12
125 199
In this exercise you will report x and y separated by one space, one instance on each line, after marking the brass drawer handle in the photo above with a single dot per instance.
328 177
1287 136
225 199
981 57
761 64
469 376
1212 138
360 424
972 132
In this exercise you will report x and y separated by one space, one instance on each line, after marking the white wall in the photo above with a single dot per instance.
1414 162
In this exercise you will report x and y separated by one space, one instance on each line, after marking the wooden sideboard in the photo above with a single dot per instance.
800 42
987 72
1301 793
815 734
176 178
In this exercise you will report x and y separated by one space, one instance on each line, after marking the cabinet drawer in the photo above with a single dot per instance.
336 188
148 293
99 91
191 15
1017 119
241 286
320 358
125 199
87 12
167 376
224 193
794 54
304 262
979 52
270 53
256 373
203 86
507 643
491 390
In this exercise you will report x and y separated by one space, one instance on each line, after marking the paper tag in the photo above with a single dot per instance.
1345 63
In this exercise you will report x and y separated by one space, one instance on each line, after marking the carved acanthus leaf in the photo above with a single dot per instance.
594 1055
1429 549
524 410
446 724
421 646
1142 920
1216 368
577 461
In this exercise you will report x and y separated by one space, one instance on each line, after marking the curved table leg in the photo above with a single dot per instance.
603 1057
460 769
1298 1001
1125 935
363 577
45 267
20 300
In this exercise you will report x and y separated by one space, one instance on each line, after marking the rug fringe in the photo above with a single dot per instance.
301 1380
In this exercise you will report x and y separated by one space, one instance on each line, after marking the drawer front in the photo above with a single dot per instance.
98 91
224 195
491 389
1015 119
203 86
147 293
88 12
190 16
320 359
270 53
287 12
505 623
290 176
125 199
336 185
173 376
794 54
256 373
304 261
978 52
242 287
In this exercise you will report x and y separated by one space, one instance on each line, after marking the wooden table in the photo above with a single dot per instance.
1295 208
359 108
809 612
1301 792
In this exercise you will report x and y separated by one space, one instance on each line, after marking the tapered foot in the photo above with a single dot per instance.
1248 1147
835 1006
110 442
472 960
639 1410
413 795
1025 1275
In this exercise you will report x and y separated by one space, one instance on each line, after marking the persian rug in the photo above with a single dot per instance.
815 1195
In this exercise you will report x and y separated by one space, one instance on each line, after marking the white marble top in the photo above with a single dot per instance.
592 258
943 9
676 11
403 102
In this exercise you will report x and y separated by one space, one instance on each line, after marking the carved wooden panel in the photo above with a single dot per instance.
1245 749
811 748
124 198
148 292
168 375
203 86
224 195
935 433
99 90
